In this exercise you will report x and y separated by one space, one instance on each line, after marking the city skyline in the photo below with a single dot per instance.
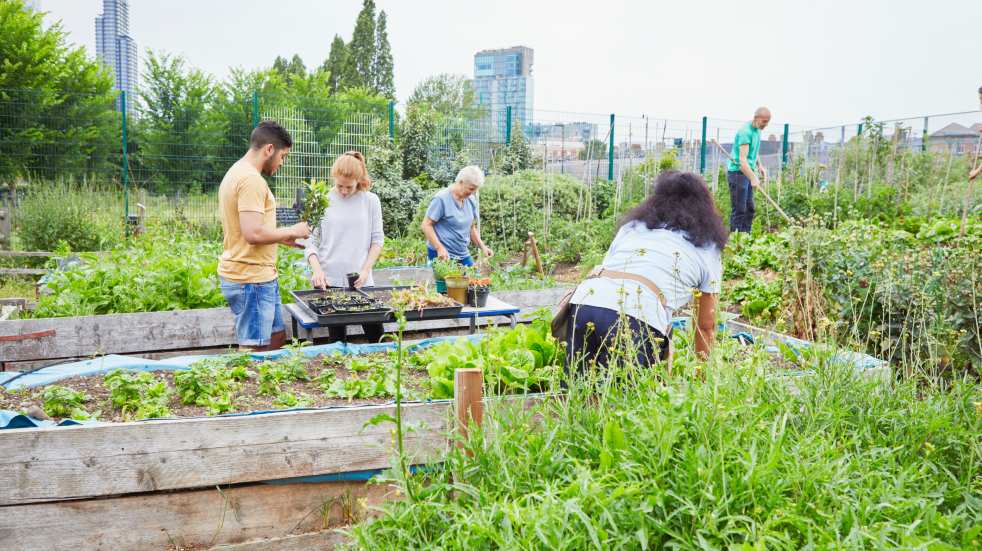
115 47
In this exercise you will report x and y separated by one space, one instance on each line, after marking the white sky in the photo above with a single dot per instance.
813 63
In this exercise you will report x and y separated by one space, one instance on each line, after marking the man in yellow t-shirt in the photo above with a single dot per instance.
247 268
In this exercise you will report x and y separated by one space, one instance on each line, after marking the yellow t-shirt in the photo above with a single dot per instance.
244 190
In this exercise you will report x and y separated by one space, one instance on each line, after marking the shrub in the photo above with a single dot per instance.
400 200
81 216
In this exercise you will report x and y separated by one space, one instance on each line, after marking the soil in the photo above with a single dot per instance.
246 399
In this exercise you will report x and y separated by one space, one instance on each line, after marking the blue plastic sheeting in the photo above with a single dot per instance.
105 364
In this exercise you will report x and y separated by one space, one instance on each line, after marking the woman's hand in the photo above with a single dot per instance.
362 279
442 253
317 279
487 251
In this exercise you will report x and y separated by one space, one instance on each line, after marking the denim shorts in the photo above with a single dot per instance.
257 310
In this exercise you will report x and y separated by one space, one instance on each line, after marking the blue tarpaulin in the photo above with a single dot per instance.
13 380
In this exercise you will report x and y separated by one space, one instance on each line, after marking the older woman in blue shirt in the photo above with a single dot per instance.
449 224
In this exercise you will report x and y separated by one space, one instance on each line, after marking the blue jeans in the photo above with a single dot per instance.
463 260
257 310
741 202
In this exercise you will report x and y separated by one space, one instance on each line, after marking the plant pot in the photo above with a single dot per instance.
457 288
352 278
478 296
441 286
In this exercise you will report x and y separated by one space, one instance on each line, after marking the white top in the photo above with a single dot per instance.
665 257
350 226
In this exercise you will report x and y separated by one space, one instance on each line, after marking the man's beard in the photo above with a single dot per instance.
268 167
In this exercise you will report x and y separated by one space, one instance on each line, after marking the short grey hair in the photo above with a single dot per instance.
470 175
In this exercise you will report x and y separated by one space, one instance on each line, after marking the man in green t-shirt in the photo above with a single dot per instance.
742 171
976 166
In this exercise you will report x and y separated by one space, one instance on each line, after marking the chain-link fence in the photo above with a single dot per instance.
176 153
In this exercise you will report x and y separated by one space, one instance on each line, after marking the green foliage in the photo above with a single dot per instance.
370 377
526 358
359 70
59 401
179 119
291 400
287 370
67 213
155 272
138 394
335 63
516 155
399 199
415 137
315 202
512 206
212 382
443 268
447 94
59 104
735 461
593 149
383 82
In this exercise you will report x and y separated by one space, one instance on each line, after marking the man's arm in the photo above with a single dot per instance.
745 165
255 233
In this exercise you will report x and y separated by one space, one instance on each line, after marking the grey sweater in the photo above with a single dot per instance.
350 227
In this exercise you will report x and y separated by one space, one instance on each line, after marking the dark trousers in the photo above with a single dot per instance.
591 334
373 332
741 202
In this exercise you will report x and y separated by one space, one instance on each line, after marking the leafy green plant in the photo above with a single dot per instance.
443 268
315 202
138 394
287 370
210 383
291 400
59 401
520 359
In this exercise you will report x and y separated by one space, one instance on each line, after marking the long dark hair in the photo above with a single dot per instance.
680 201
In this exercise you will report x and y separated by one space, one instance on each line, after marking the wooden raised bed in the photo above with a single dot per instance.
203 482
26 344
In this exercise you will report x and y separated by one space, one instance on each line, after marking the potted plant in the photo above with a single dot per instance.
478 289
443 269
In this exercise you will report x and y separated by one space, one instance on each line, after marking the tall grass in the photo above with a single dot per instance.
732 460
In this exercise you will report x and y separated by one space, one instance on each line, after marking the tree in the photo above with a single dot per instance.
180 128
517 154
593 149
447 94
335 64
383 81
361 51
416 138
56 98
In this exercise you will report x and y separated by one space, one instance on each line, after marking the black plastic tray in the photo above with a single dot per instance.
426 313
340 318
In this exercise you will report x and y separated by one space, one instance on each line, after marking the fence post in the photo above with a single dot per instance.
702 147
924 136
255 109
126 169
859 129
610 150
392 120
508 124
468 395
784 147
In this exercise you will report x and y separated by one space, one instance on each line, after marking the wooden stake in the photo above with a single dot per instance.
535 255
468 399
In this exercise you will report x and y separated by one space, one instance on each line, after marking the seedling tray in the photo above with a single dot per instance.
442 312
326 316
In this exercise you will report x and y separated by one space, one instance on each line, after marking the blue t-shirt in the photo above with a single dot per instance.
451 222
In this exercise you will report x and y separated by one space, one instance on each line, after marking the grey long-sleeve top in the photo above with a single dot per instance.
350 227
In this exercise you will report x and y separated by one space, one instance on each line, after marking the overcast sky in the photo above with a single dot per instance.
813 63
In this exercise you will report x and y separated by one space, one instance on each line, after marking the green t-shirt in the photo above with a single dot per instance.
746 135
